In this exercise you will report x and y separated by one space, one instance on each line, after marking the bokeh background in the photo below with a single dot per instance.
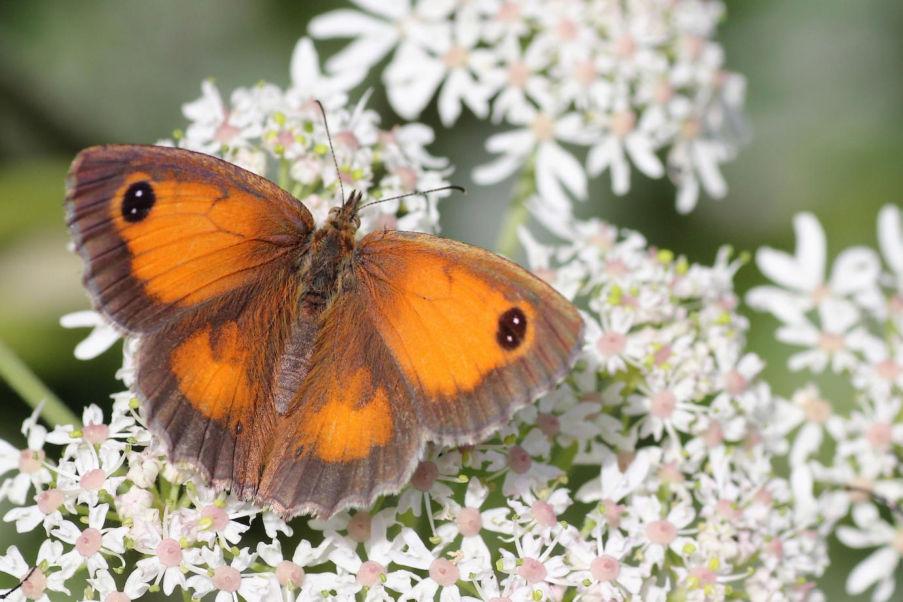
825 102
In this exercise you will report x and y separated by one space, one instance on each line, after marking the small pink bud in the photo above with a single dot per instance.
226 579
544 514
49 500
469 522
169 552
95 434
661 532
369 573
93 480
605 568
289 573
662 404
89 542
443 572
34 586
549 424
219 518
519 460
31 460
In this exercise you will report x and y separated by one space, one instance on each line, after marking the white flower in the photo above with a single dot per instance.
28 463
168 558
833 342
94 432
102 337
106 588
429 482
533 570
309 82
642 77
289 575
373 569
880 567
447 62
375 33
216 517
537 141
38 578
92 545
660 530
443 574
620 137
665 407
602 569
228 580
471 522
801 277
90 473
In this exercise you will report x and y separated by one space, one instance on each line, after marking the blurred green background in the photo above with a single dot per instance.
825 101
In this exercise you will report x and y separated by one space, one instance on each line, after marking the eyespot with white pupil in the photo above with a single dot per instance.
137 202
512 328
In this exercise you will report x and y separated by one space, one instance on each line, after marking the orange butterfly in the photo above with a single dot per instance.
302 368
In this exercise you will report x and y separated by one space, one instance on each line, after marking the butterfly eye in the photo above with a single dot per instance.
137 202
512 328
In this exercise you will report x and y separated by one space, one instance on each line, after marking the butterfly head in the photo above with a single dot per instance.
344 217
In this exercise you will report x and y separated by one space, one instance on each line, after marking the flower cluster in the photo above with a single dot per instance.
282 134
846 456
640 83
647 474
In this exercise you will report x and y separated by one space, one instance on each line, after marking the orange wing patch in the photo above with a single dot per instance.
193 224
212 373
442 325
344 428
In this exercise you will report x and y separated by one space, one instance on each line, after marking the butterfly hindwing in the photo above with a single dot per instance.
350 432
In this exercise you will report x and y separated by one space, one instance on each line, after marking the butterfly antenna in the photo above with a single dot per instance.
416 192
335 161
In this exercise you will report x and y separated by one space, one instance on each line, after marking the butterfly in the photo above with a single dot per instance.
300 367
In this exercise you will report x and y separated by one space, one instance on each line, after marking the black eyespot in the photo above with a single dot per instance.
238 428
137 201
512 328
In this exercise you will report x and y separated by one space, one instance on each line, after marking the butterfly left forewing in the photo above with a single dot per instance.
165 230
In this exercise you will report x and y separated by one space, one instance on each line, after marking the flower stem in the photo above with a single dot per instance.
30 388
517 213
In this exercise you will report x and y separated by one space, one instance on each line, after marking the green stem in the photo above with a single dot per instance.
283 173
30 388
517 213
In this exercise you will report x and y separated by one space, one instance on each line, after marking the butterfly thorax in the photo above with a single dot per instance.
327 258
323 266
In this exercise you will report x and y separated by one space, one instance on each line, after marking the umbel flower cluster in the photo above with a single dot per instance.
647 474
636 84
846 454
